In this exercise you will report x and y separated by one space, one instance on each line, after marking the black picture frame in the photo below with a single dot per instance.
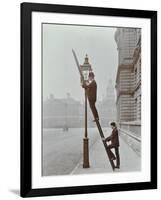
26 95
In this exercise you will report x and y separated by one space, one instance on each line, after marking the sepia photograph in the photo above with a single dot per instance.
91 99
88 99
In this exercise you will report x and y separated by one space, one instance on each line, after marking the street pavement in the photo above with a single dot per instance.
62 150
63 153
99 162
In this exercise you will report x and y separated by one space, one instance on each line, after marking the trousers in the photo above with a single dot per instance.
111 154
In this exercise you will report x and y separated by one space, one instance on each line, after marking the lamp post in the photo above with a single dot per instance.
85 68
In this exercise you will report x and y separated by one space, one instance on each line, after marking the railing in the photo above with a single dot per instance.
132 140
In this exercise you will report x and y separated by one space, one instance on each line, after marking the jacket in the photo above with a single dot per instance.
114 138
92 91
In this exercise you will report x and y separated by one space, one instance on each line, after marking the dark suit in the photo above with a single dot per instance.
92 97
114 138
92 91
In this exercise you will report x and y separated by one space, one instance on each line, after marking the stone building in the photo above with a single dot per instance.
128 78
62 113
69 113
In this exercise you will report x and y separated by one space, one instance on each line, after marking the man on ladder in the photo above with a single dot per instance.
92 94
91 87
114 139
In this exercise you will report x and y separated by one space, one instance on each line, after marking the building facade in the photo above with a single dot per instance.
128 79
62 113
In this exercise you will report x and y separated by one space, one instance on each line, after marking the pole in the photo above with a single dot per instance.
85 139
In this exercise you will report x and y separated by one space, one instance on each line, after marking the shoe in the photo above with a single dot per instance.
117 167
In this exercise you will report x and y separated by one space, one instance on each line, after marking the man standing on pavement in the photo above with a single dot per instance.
91 87
114 139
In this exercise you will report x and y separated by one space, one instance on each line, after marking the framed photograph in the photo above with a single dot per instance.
88 99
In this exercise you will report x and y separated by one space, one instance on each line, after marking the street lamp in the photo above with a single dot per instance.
85 68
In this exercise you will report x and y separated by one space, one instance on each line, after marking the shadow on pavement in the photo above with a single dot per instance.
15 191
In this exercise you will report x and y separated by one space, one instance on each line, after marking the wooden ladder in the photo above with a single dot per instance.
104 143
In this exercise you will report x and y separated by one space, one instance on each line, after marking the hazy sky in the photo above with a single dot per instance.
60 74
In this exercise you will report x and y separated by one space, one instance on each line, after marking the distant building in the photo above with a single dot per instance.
128 79
62 113
107 107
69 113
